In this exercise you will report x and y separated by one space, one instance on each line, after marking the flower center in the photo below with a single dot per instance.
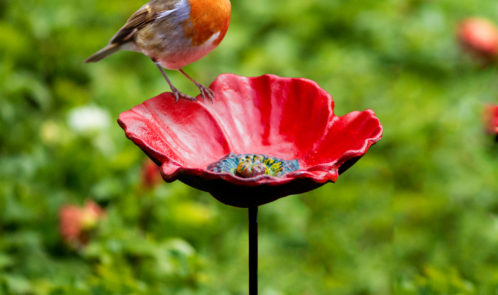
250 165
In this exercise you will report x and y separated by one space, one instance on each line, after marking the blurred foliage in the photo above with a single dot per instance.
418 215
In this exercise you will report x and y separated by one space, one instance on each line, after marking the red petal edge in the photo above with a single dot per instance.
288 118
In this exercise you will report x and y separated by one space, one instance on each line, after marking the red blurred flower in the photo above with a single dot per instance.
491 119
479 36
150 175
263 138
75 223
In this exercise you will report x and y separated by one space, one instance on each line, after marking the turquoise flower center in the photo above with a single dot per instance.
251 165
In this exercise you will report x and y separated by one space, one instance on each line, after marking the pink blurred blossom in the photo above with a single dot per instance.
150 174
76 223
479 37
491 119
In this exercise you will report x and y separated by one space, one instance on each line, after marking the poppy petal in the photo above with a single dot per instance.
181 133
281 117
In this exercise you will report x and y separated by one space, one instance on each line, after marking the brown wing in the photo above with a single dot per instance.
140 18
146 14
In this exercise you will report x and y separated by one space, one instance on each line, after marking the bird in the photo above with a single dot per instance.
173 34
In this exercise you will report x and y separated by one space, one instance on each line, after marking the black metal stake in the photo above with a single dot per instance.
253 250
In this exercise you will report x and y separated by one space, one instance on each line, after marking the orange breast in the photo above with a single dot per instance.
207 17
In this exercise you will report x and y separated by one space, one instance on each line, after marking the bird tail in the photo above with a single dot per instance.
104 52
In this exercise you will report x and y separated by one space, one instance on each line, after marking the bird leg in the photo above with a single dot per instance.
178 94
205 91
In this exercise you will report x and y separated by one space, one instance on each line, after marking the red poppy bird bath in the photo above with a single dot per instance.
261 139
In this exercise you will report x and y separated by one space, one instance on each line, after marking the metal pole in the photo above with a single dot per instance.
253 250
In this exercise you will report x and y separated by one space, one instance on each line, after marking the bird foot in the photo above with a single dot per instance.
205 92
178 94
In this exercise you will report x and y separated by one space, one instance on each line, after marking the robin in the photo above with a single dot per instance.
173 33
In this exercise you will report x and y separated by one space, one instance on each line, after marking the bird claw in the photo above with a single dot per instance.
178 94
206 92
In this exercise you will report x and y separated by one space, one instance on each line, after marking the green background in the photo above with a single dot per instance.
417 215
